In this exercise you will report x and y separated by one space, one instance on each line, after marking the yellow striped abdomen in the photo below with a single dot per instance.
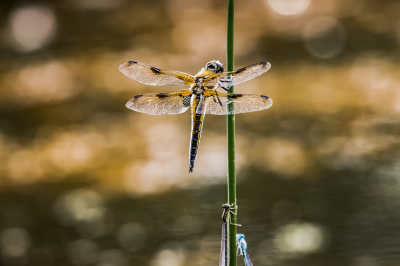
197 125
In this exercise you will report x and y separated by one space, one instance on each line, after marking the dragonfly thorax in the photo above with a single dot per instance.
198 87
198 90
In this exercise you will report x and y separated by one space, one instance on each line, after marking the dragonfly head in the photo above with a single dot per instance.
239 236
226 206
215 66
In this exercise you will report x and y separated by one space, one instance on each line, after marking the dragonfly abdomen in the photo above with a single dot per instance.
197 125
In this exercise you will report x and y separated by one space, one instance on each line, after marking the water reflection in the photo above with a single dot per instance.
85 181
94 4
14 242
51 81
364 261
83 252
132 236
187 225
112 257
283 156
80 205
40 256
324 37
284 212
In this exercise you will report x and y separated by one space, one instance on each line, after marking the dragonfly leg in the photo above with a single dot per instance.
230 210
219 101
226 214
227 81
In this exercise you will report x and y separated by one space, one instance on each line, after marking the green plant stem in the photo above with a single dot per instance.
231 141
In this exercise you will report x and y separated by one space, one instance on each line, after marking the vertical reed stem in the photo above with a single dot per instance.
231 140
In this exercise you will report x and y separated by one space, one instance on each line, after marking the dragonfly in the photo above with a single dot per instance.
208 93
241 246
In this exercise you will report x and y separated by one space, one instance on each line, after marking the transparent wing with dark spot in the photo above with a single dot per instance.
161 103
243 103
153 76
241 75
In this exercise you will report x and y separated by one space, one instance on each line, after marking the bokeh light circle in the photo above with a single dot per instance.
289 7
32 27
300 238
14 242
324 37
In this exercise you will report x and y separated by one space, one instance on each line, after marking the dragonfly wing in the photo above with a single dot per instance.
223 256
243 103
241 75
153 76
161 103
246 257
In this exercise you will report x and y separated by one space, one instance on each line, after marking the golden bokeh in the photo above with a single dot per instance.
86 181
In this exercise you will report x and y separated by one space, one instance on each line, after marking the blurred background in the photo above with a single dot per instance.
86 181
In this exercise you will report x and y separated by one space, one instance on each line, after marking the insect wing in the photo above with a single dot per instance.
242 249
223 256
246 257
153 76
161 103
243 103
241 75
